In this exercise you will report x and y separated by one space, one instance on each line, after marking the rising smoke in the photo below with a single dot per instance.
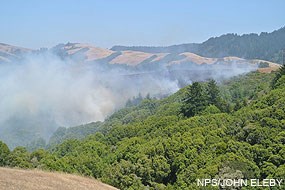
42 92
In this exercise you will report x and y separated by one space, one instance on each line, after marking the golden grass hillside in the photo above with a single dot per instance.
16 179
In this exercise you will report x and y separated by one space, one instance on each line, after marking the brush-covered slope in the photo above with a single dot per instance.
82 75
157 145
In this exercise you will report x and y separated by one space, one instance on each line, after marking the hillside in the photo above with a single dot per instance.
234 130
129 56
10 53
266 46
132 57
55 77
263 46
39 180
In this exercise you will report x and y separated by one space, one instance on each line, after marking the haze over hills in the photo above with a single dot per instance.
265 46
10 53
131 56
74 83
142 95
147 60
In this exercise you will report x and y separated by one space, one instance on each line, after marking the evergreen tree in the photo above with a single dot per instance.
4 152
213 93
278 75
195 101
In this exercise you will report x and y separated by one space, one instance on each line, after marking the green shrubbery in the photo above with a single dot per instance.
154 146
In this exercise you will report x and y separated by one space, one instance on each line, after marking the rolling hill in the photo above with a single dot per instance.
88 53
266 46
10 53
263 46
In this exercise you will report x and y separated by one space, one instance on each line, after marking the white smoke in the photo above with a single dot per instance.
47 92
43 92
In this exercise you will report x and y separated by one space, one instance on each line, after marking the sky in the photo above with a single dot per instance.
104 23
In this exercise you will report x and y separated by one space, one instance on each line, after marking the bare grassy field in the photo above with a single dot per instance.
17 179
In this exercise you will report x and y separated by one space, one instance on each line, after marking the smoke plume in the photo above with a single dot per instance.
42 92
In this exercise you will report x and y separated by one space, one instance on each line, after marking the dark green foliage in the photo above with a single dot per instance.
203 99
280 82
19 157
211 109
278 75
151 146
196 100
238 91
37 156
4 153
213 93
78 132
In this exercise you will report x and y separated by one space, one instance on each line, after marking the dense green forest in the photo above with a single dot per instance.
266 46
205 130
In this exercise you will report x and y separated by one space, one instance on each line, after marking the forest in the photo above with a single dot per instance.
233 129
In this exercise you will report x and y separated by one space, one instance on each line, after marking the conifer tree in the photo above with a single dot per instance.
195 101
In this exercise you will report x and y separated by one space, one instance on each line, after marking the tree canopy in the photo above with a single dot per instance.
154 146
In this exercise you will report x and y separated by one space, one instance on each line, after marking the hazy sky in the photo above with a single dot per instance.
37 23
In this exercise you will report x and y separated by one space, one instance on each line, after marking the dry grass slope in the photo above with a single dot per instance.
16 179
